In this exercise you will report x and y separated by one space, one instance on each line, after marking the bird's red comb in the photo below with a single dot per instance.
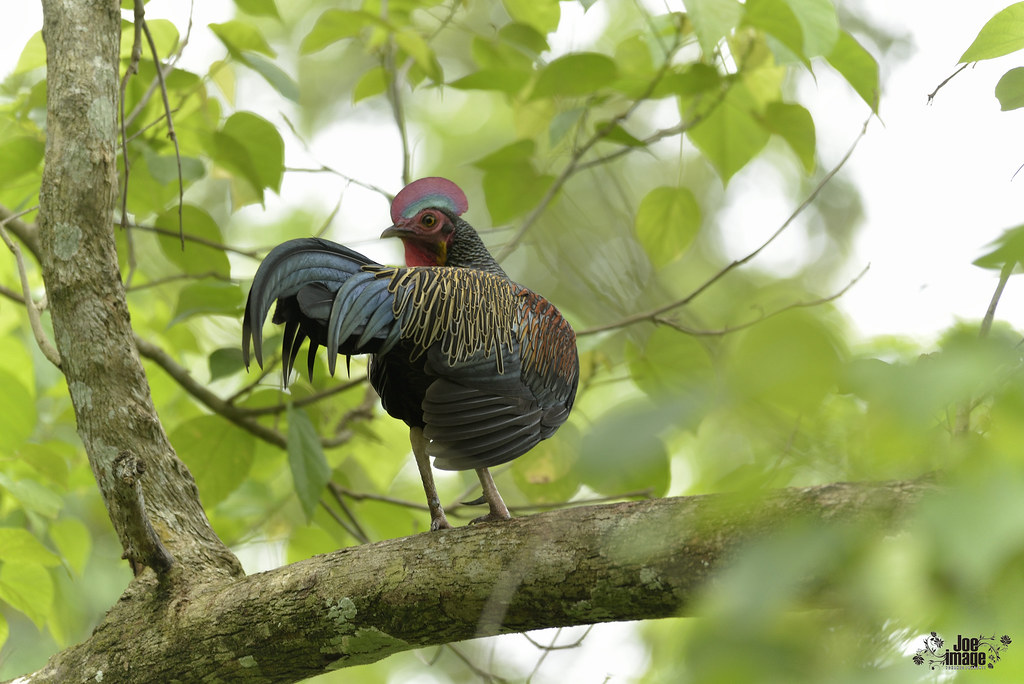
433 191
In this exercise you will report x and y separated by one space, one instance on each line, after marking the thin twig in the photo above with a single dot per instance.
931 95
574 161
486 676
395 97
45 346
170 130
742 326
654 313
251 253
304 401
344 523
133 68
179 277
359 533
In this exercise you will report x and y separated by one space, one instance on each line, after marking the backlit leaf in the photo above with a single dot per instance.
310 471
510 81
272 74
373 82
667 221
1001 35
1008 247
240 36
775 18
218 453
857 66
18 544
19 156
334 25
730 136
793 124
17 412
27 587
577 74
1010 89
416 47
196 257
258 8
251 147
623 452
208 298
542 15
73 540
819 25
713 20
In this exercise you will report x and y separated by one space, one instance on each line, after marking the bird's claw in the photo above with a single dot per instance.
490 517
439 523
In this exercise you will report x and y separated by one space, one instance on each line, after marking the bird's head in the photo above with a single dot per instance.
425 215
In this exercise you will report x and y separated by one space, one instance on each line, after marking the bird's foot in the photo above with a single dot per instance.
439 522
493 516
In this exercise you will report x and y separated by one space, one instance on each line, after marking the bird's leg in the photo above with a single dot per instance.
438 521
498 509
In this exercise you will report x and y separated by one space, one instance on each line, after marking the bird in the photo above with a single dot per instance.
478 366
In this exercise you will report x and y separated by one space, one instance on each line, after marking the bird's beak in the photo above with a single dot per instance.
397 231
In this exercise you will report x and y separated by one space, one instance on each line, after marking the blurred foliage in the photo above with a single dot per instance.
597 153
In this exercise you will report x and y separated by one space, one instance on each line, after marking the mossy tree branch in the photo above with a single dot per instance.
627 561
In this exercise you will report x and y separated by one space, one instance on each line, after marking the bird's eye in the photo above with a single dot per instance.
429 220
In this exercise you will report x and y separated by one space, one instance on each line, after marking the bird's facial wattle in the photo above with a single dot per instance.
426 238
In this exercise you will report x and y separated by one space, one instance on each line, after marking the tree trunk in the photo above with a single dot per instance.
629 561
113 408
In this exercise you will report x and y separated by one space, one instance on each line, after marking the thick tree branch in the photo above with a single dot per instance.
627 561
78 258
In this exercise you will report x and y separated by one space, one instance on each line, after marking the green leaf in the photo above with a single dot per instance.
713 20
525 37
1001 35
623 452
196 257
334 25
251 147
33 55
17 412
819 25
858 67
577 74
793 124
218 453
373 82
542 15
789 360
1010 89
775 18
422 54
667 221
225 361
674 367
240 36
18 544
272 74
164 168
28 588
19 156
5 631
258 8
507 80
545 474
32 495
217 298
310 472
1009 247
73 540
521 151
730 136
512 190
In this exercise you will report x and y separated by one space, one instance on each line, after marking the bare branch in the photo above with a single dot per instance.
654 313
170 129
931 95
45 346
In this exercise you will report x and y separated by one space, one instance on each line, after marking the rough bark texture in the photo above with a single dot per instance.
77 253
629 561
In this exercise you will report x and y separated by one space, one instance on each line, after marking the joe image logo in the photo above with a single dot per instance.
967 653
